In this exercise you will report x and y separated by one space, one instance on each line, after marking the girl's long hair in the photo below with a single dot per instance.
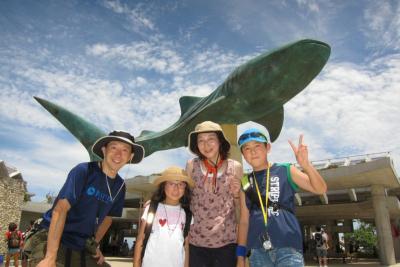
159 196
11 227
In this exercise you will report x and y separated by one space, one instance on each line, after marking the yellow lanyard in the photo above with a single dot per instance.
264 210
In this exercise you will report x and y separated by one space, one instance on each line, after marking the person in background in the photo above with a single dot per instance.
321 242
13 238
24 261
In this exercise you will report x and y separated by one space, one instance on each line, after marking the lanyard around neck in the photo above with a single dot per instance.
108 185
264 210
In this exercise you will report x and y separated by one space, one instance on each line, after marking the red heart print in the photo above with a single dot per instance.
162 221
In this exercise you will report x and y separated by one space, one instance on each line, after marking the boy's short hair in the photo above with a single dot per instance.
252 134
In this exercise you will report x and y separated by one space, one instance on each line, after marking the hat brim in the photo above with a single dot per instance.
174 177
257 139
192 139
137 150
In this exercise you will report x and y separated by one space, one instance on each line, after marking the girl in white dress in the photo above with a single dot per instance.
166 245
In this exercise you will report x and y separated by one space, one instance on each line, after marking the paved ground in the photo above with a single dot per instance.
125 262
119 262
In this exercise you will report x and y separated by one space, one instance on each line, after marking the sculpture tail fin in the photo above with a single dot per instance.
86 132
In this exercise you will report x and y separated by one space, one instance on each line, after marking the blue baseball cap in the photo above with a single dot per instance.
252 134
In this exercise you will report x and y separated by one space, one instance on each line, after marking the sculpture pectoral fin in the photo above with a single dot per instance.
186 102
273 121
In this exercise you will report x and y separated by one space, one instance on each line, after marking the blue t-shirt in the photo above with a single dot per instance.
90 203
283 227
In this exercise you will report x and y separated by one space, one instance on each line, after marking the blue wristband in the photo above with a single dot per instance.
241 251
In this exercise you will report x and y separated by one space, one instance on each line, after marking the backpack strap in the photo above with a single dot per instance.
149 225
247 183
187 223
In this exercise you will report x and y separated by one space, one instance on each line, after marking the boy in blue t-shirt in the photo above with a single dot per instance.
81 214
274 236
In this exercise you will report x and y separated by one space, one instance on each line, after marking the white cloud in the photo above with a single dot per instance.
100 101
18 106
382 24
98 49
348 109
274 23
137 16
147 55
157 162
187 31
340 86
138 82
351 108
167 58
45 163
310 5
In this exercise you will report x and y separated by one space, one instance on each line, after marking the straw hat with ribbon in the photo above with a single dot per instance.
174 173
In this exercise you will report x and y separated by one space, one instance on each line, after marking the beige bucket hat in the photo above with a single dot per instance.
174 173
204 127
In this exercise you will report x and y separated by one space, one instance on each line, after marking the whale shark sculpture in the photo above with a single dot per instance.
255 91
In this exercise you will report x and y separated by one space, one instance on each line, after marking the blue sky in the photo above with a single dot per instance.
124 65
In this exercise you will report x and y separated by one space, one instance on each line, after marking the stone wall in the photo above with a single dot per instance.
12 191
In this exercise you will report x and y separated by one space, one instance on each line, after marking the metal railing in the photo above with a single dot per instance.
348 160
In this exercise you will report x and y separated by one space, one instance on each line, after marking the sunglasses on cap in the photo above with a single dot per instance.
247 136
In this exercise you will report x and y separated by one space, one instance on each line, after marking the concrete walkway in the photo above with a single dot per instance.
125 262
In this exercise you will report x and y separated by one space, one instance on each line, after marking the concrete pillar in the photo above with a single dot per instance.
334 244
396 240
382 222
230 131
348 223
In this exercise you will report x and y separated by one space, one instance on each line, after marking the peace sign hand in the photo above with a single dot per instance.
300 152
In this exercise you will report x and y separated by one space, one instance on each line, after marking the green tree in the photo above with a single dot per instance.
364 237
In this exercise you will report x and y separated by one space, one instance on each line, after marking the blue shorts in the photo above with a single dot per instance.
276 257
322 252
12 251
